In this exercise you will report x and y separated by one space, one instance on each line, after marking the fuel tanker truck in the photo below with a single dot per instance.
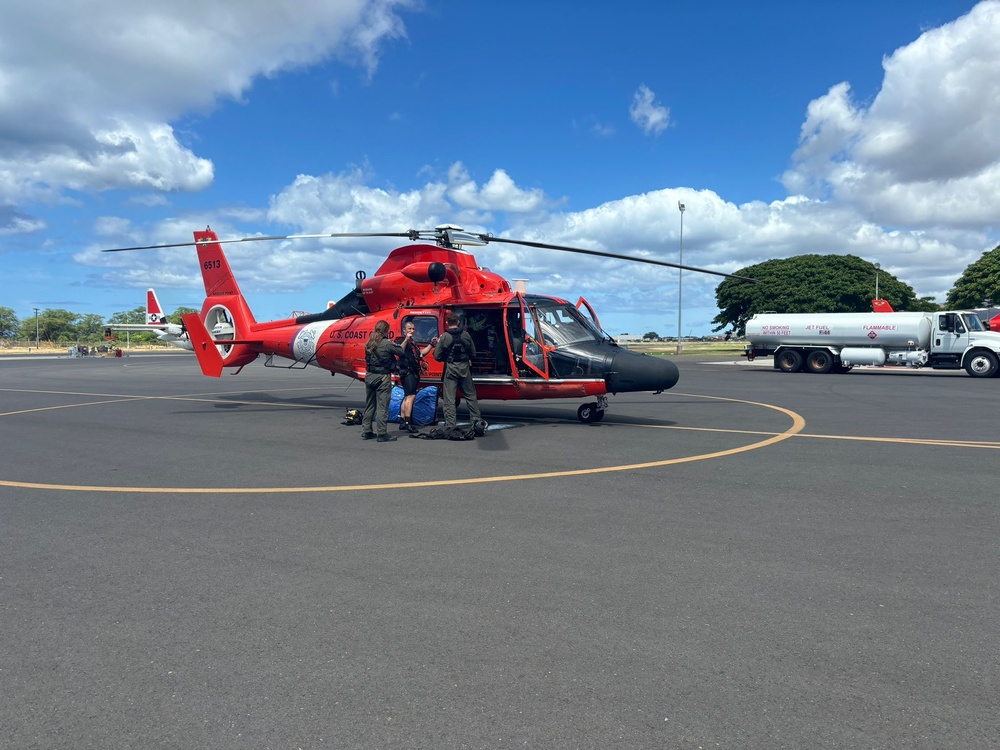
836 342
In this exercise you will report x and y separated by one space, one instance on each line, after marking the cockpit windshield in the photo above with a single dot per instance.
563 324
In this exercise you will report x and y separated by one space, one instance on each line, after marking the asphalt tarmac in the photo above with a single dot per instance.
749 560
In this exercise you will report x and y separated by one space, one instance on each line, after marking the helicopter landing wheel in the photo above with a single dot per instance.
590 413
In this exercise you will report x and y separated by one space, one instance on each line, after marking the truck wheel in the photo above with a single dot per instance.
982 365
819 362
788 360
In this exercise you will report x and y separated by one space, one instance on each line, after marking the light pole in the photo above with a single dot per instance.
877 267
988 304
680 279
36 329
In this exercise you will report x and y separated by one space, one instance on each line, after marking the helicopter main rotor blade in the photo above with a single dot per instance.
544 246
444 233
600 253
267 238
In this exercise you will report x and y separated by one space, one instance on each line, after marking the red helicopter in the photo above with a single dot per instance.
529 346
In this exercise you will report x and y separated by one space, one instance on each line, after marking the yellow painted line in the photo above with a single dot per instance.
67 406
126 395
798 423
113 398
910 441
858 438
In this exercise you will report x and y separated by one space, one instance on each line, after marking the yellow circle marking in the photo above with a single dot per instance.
798 423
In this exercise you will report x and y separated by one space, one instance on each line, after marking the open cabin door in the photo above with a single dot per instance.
525 340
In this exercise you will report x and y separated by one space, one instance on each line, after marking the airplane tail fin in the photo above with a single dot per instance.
154 312
880 305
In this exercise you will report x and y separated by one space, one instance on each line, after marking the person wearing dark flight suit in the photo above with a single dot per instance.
409 374
380 358
456 349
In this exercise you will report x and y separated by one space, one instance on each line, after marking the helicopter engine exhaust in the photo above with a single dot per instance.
425 272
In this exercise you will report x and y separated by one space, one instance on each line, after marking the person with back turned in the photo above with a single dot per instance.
380 358
456 349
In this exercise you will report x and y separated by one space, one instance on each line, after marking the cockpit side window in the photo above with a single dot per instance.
426 325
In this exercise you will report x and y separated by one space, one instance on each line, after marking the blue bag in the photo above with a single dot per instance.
394 401
424 405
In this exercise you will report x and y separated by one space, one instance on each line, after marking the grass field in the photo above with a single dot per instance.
669 348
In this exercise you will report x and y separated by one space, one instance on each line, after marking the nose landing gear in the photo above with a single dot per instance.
592 412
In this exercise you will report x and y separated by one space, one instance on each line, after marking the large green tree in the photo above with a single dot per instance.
52 325
810 283
135 316
90 327
176 315
63 325
9 324
979 282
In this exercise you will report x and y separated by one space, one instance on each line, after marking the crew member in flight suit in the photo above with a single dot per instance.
456 349
380 357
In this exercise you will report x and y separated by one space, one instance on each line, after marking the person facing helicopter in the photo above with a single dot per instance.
456 349
381 354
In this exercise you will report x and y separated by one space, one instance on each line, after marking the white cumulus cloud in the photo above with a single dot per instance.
926 151
88 90
653 118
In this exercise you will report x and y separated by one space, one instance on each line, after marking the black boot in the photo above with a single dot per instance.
404 425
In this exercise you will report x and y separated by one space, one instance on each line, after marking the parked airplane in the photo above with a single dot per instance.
156 322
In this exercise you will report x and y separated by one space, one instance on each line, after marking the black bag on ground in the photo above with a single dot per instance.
437 433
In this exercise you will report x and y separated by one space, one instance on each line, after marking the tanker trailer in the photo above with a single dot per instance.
836 342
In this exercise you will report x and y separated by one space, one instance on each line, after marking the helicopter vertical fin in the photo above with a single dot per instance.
205 350
220 283
215 270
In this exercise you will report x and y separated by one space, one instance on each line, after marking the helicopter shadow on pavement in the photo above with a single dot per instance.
527 413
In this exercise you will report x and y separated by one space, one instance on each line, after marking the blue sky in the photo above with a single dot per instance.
870 128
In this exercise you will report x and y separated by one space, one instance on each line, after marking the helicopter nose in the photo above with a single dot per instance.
632 372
